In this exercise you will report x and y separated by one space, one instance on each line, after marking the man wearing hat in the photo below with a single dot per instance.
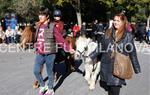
57 17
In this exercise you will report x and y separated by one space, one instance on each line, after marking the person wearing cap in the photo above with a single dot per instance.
61 52
57 19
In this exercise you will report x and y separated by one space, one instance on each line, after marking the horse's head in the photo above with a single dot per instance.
91 48
71 40
82 46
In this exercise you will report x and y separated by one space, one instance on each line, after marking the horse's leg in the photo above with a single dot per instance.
23 44
70 58
54 70
55 74
71 63
68 63
88 71
94 75
68 66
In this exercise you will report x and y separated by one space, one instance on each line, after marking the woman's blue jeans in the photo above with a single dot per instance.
48 60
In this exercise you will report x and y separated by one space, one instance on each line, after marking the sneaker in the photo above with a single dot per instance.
49 92
43 90
41 93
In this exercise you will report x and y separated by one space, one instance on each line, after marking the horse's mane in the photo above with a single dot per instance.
85 36
81 40
27 34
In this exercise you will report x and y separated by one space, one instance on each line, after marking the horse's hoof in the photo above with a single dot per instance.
92 85
56 77
91 88
36 85
88 81
73 69
86 78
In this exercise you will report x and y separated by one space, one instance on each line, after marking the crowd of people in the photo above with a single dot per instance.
10 35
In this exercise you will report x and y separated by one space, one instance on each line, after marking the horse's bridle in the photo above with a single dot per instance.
81 53
84 57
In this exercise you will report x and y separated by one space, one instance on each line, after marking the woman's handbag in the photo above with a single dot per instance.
122 66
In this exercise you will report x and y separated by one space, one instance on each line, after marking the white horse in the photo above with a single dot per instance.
84 48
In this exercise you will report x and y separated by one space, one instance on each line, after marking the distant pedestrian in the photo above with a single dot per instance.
10 35
94 27
148 33
76 30
83 28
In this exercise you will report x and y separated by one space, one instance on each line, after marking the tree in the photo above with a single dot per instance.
4 7
26 8
135 9
76 5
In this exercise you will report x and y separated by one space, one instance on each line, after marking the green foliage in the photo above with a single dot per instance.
60 2
22 7
109 3
135 9
4 6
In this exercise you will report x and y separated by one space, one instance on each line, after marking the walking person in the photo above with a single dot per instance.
148 34
141 31
119 34
83 28
45 44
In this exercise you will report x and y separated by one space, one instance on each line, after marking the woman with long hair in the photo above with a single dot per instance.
120 35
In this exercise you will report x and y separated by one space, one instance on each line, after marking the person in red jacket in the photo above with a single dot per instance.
62 54
76 30
57 19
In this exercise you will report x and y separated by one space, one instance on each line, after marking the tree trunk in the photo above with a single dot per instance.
79 19
78 12
148 23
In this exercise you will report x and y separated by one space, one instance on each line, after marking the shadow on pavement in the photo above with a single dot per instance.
62 74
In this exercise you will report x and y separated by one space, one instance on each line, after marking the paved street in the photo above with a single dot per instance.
16 77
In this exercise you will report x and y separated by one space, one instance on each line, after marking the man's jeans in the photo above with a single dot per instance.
48 59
